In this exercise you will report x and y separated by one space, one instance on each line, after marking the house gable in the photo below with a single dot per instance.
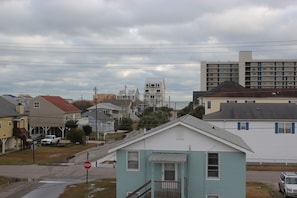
180 138
195 125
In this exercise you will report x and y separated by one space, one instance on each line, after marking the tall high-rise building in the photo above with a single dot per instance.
250 73
154 92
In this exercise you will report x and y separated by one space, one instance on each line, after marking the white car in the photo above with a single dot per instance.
287 184
50 139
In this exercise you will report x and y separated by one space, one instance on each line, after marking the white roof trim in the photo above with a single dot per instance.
144 136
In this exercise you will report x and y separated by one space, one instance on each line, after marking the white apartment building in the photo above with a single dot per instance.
154 92
250 73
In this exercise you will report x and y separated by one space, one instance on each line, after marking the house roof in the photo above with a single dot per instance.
105 105
120 103
61 103
7 108
196 125
100 115
233 89
253 111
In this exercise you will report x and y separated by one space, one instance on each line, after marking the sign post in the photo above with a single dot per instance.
87 165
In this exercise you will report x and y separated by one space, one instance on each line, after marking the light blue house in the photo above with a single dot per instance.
185 158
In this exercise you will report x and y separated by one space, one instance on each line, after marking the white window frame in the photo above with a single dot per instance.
242 126
175 171
207 166
286 127
9 123
0 125
138 160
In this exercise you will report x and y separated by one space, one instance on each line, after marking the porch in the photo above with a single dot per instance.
168 177
163 189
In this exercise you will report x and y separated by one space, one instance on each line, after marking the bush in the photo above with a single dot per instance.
125 124
75 135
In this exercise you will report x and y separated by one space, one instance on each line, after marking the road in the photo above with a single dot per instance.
50 181
53 179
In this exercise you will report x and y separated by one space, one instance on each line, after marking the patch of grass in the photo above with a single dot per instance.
4 180
43 154
257 190
105 188
260 190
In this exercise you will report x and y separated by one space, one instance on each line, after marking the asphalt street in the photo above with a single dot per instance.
50 181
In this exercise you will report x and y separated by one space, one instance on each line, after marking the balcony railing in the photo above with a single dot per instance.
167 189
20 132
163 189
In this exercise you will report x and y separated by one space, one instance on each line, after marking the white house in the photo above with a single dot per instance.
269 129
154 92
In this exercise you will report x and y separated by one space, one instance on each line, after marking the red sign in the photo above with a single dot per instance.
87 164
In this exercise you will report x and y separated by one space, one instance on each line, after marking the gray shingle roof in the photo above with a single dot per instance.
196 125
253 111
7 109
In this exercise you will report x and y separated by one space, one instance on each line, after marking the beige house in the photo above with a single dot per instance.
13 125
49 114
230 92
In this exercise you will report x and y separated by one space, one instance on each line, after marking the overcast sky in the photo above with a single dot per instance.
67 47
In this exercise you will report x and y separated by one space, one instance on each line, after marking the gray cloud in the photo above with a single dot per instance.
66 47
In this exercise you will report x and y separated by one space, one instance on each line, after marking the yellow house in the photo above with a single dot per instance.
13 125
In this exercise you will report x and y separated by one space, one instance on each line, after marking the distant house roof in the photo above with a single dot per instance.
105 105
7 108
196 125
233 89
120 103
100 115
252 111
61 104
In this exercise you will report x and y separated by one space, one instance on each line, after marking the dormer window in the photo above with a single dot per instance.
36 105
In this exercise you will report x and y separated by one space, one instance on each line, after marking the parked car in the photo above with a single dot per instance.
34 138
288 184
50 139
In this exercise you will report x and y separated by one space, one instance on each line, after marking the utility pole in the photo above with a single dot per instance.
97 134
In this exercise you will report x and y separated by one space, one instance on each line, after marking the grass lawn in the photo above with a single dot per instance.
107 189
260 190
43 154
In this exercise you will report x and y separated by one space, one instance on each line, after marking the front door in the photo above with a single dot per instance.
169 175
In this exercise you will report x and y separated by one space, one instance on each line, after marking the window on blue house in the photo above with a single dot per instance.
212 165
285 127
132 160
